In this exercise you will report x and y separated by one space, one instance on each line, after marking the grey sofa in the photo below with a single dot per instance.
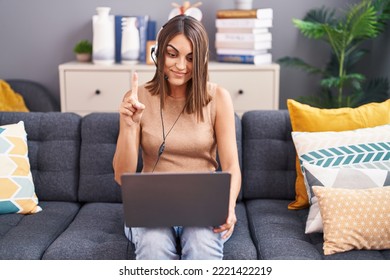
71 162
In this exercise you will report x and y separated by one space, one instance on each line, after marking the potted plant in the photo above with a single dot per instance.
83 51
341 85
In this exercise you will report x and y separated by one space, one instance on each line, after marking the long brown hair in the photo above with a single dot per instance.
196 92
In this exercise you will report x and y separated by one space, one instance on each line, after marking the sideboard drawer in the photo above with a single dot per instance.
100 90
252 93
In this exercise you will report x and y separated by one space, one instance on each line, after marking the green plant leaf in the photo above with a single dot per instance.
83 46
299 63
322 16
340 84
375 90
310 29
331 82
361 21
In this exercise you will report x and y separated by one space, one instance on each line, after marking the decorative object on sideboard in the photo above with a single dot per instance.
341 84
146 29
103 36
243 4
130 49
83 51
187 9
244 36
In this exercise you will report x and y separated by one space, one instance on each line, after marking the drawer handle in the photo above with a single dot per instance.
240 91
97 92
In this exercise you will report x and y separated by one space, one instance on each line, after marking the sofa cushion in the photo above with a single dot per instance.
354 219
17 192
53 151
310 119
240 245
26 237
268 155
99 134
351 178
96 233
278 234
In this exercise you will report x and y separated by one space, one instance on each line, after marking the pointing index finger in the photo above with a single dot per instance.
134 85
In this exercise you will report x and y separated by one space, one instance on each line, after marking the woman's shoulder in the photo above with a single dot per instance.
217 91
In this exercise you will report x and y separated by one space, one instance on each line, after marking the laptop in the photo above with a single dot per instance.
175 199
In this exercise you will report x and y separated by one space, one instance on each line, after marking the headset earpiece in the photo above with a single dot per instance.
153 54
154 49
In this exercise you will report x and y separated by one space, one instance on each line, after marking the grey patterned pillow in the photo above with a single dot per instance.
348 178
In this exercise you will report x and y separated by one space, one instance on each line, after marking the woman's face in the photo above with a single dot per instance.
178 60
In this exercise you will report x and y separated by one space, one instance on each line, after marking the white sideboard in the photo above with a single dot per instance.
87 87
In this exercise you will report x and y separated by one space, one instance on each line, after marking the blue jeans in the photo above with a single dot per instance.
196 243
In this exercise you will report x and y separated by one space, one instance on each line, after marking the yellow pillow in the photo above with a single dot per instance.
354 219
310 119
10 100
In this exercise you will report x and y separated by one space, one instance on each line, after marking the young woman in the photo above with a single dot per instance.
179 119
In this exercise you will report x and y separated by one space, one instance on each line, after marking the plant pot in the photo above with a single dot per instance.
83 57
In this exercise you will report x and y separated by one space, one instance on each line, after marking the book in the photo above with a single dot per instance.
253 13
240 51
142 24
265 58
235 37
242 30
243 22
151 34
253 45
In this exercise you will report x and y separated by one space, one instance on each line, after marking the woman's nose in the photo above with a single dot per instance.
181 64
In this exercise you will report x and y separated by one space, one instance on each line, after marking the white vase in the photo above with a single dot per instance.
103 44
130 48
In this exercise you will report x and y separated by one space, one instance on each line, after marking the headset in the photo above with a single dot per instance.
154 49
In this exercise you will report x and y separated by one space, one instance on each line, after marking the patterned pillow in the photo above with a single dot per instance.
310 119
360 148
17 192
354 219
350 178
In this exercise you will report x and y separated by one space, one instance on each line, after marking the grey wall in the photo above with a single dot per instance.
36 36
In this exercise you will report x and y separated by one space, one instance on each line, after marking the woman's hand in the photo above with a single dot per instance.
131 109
228 226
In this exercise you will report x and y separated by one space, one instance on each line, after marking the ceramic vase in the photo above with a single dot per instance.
103 43
130 48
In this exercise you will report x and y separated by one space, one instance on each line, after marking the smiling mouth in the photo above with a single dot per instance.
179 73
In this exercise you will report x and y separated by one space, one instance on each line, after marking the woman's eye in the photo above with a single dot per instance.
171 54
189 58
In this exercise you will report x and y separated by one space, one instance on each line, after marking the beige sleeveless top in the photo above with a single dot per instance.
189 145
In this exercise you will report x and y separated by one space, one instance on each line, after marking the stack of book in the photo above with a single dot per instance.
243 36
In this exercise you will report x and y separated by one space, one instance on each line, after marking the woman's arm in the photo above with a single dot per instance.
227 150
127 147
